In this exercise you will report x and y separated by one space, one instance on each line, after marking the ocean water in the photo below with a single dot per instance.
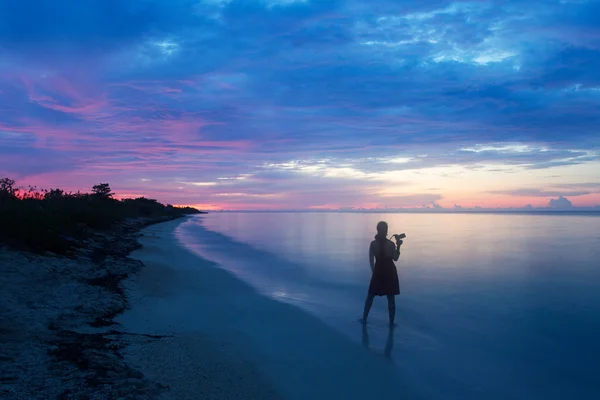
500 306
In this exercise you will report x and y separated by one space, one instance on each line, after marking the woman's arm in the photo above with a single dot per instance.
397 250
371 256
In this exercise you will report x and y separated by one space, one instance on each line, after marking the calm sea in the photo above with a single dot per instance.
491 306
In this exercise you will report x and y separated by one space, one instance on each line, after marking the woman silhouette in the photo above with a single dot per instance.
384 278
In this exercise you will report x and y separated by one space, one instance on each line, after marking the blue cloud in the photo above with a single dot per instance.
87 24
560 203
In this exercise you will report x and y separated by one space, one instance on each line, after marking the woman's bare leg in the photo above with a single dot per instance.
368 304
392 308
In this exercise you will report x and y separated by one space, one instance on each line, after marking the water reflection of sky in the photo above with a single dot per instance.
486 300
334 246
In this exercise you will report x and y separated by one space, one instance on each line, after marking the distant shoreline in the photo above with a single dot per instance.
592 212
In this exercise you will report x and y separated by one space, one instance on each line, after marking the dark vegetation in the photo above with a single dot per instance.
53 220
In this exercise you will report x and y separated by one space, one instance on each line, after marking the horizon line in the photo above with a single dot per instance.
590 209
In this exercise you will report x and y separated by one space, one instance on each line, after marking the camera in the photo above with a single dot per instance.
399 236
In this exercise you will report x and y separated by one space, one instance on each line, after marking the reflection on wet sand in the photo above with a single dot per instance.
389 343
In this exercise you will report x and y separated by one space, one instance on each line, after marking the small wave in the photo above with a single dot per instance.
270 274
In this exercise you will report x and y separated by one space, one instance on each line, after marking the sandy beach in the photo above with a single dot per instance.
221 339
57 337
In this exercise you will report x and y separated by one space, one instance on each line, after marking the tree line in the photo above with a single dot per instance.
58 221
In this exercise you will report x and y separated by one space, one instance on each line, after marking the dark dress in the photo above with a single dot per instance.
384 281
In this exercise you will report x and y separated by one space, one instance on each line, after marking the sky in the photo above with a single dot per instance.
300 104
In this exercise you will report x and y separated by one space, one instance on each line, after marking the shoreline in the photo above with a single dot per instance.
184 364
196 306
57 334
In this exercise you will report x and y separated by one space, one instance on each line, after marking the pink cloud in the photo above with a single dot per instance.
106 125
77 102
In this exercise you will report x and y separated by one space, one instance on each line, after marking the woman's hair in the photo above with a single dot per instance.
382 230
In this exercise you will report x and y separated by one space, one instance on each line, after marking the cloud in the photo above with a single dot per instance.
414 200
591 186
527 155
53 29
20 162
532 192
560 203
